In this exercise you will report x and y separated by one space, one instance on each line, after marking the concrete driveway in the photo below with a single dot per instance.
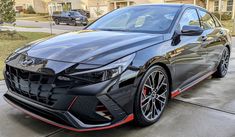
206 110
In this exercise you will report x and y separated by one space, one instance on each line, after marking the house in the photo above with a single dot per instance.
39 6
62 5
100 7
224 6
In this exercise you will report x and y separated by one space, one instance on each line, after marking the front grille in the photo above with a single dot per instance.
36 86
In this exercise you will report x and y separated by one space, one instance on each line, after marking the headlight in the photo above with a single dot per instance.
104 73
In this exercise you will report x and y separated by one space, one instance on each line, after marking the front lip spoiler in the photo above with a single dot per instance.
125 120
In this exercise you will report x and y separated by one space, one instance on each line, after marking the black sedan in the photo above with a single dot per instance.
123 67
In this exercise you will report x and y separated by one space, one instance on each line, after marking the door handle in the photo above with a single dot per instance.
204 38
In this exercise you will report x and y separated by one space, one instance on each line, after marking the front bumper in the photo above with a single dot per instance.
72 103
79 108
56 117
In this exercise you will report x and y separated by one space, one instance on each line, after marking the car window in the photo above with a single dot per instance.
71 13
63 14
217 23
138 19
189 18
206 20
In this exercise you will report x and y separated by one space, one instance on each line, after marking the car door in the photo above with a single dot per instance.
63 17
189 56
213 38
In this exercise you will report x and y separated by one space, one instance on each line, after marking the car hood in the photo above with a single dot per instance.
91 47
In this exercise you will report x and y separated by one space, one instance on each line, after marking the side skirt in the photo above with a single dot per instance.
179 91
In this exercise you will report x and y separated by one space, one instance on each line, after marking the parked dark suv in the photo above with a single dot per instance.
125 66
70 17
83 12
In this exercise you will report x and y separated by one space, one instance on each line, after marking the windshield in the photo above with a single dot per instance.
146 18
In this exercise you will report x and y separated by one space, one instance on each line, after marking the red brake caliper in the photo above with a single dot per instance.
145 91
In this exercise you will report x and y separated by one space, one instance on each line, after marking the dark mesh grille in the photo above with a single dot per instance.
36 86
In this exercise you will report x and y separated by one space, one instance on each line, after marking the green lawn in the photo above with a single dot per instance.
9 46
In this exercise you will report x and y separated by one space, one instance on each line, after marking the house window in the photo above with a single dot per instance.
230 5
216 5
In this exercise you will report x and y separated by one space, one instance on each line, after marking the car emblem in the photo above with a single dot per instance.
27 62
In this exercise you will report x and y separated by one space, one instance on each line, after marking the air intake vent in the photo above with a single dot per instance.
103 111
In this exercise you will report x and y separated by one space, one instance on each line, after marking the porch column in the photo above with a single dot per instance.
194 2
207 4
220 4
233 14
115 4
128 3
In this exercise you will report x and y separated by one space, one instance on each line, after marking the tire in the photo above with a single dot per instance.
148 97
222 69
74 23
57 22
85 24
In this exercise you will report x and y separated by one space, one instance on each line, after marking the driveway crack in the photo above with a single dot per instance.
199 105
54 132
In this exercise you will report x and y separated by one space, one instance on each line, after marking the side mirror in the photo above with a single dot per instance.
191 30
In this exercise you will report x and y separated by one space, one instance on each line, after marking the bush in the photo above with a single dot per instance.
11 35
7 11
29 10
224 15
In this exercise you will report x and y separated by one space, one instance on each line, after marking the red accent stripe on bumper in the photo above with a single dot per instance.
71 104
127 119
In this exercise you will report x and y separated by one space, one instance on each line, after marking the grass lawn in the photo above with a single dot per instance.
9 46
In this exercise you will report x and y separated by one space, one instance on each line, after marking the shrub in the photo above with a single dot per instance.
7 11
29 10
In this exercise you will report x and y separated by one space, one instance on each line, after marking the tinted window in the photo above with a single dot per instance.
206 20
138 18
189 18
217 24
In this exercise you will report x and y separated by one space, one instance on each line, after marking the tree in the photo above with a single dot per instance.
7 11
30 10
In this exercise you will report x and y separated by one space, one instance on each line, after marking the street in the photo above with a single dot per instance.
47 27
206 110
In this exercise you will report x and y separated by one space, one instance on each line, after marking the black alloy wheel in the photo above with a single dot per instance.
74 23
223 66
152 96
57 22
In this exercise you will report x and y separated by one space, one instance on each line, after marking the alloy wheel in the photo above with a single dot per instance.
154 95
225 61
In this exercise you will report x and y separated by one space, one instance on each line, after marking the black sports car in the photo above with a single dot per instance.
123 67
